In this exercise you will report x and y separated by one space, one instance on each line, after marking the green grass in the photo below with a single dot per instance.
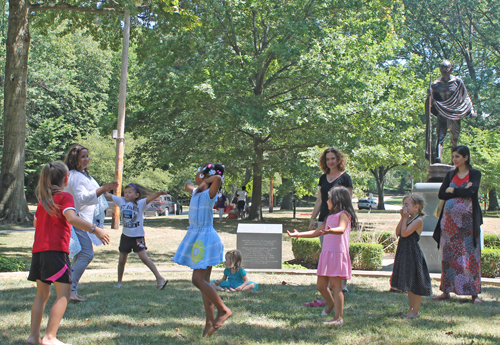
275 314
395 201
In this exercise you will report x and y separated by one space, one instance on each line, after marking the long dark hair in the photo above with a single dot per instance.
463 151
72 157
341 201
143 191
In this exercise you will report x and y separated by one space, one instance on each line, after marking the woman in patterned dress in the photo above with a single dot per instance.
457 231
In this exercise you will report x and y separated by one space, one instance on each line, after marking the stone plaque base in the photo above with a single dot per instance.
260 245
427 243
437 172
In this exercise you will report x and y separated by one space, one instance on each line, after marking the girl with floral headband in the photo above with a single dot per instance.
202 247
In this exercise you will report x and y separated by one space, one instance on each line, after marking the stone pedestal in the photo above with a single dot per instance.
260 245
436 172
429 247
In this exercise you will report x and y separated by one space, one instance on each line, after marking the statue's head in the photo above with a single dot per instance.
445 67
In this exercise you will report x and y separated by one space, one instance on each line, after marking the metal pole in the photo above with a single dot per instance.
271 196
120 142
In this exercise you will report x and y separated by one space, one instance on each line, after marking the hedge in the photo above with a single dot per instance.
490 262
387 239
364 256
492 241
11 265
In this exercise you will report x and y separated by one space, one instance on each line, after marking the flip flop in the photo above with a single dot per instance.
162 286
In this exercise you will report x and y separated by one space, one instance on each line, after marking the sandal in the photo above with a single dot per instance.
316 303
326 313
334 322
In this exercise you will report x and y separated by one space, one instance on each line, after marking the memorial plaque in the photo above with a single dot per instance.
260 245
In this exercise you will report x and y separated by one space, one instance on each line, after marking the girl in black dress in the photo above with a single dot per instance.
410 271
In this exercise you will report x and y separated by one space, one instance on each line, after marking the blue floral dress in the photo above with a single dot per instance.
202 246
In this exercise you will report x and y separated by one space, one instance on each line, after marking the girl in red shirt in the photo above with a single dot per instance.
50 260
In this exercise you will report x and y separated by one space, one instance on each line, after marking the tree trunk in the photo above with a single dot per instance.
492 196
13 205
286 203
402 185
256 208
379 175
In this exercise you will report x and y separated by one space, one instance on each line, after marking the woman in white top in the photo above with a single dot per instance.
85 191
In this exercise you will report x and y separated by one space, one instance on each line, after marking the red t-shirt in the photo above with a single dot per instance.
53 232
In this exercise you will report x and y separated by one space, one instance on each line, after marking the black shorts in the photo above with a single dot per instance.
241 205
127 244
50 267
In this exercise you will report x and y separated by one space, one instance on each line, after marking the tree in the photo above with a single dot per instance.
256 78
390 132
13 206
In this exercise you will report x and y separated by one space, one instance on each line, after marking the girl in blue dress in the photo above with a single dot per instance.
235 277
202 247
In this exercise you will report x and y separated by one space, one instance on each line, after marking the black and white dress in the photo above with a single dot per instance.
410 271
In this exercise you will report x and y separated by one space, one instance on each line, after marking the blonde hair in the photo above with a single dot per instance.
236 259
416 199
51 181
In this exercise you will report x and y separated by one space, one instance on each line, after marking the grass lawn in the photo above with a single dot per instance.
275 314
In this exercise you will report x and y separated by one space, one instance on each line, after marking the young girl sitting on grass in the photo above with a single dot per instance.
132 206
410 271
334 261
50 261
235 277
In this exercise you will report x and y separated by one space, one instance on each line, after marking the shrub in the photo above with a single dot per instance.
387 239
11 265
492 241
306 249
366 256
490 262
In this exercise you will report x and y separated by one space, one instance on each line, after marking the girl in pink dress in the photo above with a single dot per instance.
334 261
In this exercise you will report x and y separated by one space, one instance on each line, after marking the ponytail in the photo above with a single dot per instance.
51 181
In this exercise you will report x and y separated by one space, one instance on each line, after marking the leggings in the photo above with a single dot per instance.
82 259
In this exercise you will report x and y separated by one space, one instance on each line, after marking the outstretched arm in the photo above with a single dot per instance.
79 223
307 234
155 196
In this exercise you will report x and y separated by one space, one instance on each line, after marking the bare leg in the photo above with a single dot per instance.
41 298
147 261
121 268
201 279
248 287
338 297
209 306
63 292
322 286
217 287
415 301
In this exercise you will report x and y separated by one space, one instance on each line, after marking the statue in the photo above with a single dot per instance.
449 101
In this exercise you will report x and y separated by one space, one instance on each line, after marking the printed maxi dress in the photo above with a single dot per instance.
202 246
461 261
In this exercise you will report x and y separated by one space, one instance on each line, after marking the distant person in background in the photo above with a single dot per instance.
332 163
221 203
242 199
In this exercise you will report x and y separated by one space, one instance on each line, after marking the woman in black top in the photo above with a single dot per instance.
332 163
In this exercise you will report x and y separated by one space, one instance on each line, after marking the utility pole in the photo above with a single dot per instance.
120 138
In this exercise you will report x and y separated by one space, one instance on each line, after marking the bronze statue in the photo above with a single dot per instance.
449 101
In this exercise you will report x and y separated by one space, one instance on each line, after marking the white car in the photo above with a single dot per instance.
367 204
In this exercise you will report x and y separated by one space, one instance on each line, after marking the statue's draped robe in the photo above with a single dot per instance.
458 105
